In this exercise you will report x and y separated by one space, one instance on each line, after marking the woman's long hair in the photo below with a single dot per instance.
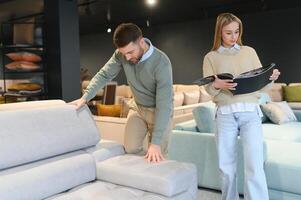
222 20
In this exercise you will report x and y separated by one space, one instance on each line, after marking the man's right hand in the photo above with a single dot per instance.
223 84
78 103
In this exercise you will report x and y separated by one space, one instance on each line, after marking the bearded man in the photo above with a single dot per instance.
149 75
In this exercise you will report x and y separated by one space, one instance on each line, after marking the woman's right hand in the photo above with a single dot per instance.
223 83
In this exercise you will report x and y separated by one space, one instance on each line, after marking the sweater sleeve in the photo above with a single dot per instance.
164 100
257 64
208 71
105 74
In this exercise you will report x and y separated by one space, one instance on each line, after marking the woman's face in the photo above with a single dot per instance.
230 34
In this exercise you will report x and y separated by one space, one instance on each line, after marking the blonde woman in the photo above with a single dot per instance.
236 114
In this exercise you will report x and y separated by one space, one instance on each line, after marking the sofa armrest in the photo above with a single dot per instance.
298 114
187 126
200 149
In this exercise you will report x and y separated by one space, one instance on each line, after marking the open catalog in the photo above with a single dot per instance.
247 82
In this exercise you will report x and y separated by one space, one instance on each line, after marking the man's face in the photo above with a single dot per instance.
132 52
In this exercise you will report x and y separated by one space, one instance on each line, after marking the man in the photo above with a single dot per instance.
149 75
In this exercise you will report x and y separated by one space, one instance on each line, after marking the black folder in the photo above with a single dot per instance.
247 82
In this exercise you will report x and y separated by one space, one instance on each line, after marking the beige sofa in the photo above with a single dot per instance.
186 98
276 94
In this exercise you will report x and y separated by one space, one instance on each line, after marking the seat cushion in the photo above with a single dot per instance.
41 179
283 166
100 190
167 178
286 132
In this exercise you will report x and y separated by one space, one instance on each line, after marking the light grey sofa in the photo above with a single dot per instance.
49 150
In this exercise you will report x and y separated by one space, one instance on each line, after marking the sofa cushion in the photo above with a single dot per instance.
295 105
285 132
167 177
38 133
105 149
275 91
292 93
41 179
101 190
178 99
283 166
30 105
204 117
108 110
204 96
264 99
124 91
278 112
191 97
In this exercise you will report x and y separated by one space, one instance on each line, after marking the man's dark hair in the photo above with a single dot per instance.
126 33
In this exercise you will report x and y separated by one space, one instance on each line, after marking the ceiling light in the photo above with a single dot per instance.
109 30
151 2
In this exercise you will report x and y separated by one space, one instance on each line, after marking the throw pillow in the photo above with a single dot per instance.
279 112
24 56
178 99
108 110
24 86
191 97
204 117
264 99
292 93
22 65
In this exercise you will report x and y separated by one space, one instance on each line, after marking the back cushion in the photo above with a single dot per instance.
178 99
191 97
275 92
32 134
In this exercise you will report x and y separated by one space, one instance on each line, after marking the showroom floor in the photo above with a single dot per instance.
205 194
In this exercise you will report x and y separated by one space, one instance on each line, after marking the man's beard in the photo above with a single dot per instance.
141 52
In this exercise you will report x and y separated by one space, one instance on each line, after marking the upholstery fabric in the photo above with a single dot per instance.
22 66
191 97
279 112
292 93
283 167
101 190
108 110
68 130
178 99
30 105
204 117
24 56
105 149
166 178
275 92
48 177
264 99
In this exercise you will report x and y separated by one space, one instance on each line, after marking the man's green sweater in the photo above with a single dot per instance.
150 81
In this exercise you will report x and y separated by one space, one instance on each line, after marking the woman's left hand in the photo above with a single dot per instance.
275 75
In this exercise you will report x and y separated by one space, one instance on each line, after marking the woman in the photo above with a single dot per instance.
238 114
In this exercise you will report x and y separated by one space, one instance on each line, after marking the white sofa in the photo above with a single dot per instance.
49 150
186 98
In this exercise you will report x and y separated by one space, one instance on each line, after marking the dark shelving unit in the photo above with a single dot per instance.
40 74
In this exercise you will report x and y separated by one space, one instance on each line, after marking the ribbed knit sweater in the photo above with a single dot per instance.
234 62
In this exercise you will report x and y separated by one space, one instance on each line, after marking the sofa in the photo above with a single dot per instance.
277 94
191 143
186 98
49 150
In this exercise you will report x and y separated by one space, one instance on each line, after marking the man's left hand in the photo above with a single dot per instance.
154 154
